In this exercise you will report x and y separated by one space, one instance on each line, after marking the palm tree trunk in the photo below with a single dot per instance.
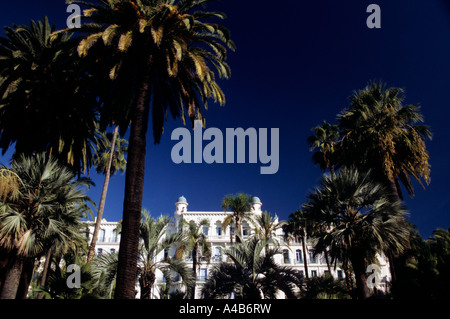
231 234
194 269
146 282
101 207
395 195
359 267
327 261
134 189
305 262
348 277
25 278
12 279
237 230
45 272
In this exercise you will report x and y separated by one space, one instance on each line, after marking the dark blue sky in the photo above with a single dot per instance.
296 64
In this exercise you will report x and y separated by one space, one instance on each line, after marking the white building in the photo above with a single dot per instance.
219 238
108 240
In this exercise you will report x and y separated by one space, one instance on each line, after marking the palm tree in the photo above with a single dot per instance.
324 288
196 242
110 159
46 212
104 272
325 142
266 226
44 87
159 54
240 207
251 274
57 288
385 136
156 239
76 245
298 226
418 274
381 134
361 219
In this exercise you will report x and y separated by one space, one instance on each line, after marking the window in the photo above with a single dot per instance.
101 235
217 254
114 236
99 251
313 273
298 256
246 232
232 230
166 254
205 230
286 256
302 273
203 274
312 259
340 274
112 250
219 231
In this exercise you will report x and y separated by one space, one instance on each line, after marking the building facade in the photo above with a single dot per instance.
292 254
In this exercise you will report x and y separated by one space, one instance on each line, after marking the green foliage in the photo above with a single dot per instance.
381 134
355 218
267 225
324 288
325 142
104 271
48 209
354 210
424 270
156 239
251 274
166 42
46 97
119 162
239 205
57 288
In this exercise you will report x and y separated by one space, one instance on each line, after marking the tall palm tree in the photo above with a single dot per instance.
381 134
266 226
196 242
240 207
44 87
160 55
156 239
251 274
298 227
109 160
324 142
47 210
361 219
